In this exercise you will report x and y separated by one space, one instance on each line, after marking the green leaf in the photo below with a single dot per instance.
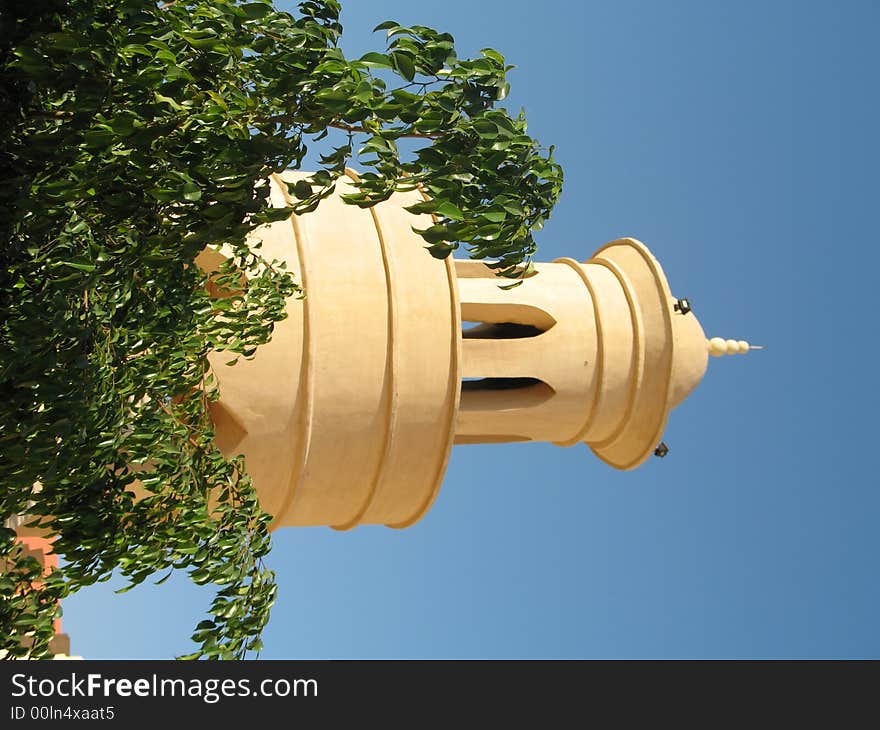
494 55
496 216
302 189
440 250
135 49
169 101
255 10
486 128
191 191
435 234
403 64
449 210
425 206
97 138
79 265
122 126
376 60
513 207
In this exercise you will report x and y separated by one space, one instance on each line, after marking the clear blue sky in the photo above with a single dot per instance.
739 141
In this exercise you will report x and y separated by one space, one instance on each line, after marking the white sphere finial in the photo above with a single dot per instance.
718 346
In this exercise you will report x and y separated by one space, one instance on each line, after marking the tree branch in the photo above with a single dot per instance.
351 129
361 130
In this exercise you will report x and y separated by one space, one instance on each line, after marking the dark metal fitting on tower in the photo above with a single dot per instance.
682 306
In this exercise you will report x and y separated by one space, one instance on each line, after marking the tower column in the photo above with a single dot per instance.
610 360
529 361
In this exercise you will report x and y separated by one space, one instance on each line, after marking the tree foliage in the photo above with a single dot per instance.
133 135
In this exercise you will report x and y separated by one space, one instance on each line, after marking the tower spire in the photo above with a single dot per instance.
718 346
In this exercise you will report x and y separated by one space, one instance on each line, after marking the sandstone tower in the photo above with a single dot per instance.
349 414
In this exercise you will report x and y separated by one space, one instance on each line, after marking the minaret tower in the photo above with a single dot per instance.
349 414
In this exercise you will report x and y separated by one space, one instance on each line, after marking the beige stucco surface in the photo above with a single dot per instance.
349 414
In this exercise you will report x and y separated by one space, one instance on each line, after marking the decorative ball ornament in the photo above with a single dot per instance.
718 346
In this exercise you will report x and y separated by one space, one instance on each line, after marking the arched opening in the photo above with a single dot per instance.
498 330
475 384
500 394
512 321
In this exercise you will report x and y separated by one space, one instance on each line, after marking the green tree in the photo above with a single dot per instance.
135 134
